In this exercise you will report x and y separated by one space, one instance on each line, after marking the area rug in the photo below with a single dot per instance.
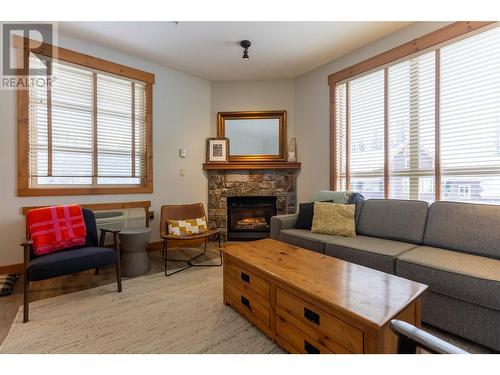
183 313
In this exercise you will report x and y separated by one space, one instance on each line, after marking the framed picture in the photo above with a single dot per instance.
217 150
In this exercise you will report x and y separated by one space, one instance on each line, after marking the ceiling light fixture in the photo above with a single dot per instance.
245 44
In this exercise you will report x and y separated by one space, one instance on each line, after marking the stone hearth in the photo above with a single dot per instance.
262 182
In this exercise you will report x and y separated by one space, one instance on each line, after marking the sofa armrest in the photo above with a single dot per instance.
280 222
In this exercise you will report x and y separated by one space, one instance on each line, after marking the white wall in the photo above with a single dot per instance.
184 114
181 118
312 108
254 96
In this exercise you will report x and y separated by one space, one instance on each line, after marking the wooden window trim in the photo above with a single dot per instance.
387 164
444 34
348 135
23 163
437 125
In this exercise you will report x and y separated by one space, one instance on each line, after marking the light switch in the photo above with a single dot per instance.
182 172
182 152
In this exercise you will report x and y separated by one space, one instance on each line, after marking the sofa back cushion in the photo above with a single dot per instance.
305 216
394 219
334 219
341 197
328 195
465 227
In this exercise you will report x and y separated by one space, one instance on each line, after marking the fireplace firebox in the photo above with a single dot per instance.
249 217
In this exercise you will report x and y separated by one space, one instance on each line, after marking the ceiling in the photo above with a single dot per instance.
211 50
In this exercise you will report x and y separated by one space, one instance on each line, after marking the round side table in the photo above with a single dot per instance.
133 246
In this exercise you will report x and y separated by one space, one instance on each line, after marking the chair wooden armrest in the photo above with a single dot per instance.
104 230
192 237
26 243
102 238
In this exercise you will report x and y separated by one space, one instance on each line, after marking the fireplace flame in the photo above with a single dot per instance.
252 223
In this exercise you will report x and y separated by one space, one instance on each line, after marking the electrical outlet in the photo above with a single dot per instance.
182 172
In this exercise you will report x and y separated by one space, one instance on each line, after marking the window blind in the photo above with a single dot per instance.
386 124
341 136
470 118
411 104
89 128
359 134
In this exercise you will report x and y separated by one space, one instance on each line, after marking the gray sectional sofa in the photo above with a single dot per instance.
452 247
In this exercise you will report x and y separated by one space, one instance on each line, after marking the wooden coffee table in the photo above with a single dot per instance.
312 303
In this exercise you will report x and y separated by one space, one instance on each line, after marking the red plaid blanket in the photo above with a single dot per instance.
56 228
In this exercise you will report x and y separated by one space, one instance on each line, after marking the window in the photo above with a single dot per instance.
88 133
363 127
425 126
470 109
410 105
464 192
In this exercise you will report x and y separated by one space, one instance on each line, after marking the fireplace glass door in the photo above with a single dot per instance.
250 217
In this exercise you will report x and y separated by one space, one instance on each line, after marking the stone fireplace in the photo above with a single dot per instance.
278 183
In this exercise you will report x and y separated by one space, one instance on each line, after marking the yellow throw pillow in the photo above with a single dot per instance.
333 218
187 227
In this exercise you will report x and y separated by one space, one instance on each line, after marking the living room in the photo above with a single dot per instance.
257 185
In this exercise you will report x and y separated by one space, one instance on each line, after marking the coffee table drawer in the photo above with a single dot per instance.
298 340
248 305
332 330
247 278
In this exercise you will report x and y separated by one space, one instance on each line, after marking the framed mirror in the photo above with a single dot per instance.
254 136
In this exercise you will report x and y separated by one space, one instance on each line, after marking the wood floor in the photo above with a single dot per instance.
9 305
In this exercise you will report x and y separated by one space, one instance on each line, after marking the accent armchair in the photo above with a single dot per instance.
92 255
184 212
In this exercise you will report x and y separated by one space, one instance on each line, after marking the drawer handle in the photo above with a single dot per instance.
311 316
309 348
245 277
245 301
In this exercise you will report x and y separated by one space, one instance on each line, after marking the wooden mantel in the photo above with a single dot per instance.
249 165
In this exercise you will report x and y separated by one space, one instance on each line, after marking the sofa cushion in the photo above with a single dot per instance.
394 219
305 238
328 195
467 277
371 252
70 261
466 227
306 214
334 219
343 197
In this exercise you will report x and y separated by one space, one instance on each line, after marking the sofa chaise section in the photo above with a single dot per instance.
460 261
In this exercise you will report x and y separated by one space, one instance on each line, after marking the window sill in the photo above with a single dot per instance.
38 192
